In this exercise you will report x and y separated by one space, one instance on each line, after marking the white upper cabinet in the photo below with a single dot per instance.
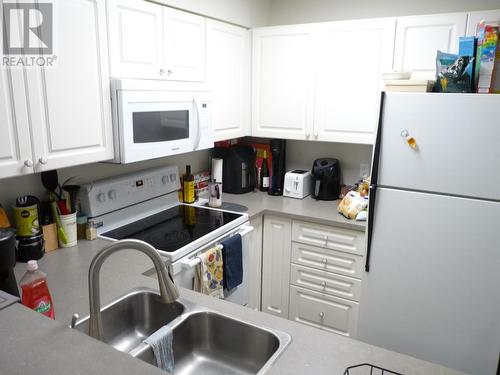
69 103
419 37
15 142
135 38
351 57
490 16
151 41
228 75
184 41
282 82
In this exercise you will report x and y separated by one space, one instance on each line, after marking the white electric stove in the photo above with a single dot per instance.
144 205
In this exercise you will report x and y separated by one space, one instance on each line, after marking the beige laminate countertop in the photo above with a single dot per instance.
307 209
33 344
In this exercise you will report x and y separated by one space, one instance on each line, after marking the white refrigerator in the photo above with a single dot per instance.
432 283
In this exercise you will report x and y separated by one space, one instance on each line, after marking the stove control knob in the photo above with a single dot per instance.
112 194
101 197
164 180
172 177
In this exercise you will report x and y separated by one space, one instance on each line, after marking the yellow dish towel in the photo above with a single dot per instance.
209 278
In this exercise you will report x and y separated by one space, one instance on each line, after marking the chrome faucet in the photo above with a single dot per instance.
168 290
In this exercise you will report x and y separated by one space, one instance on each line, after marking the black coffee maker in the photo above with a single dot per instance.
278 153
238 168
8 261
326 179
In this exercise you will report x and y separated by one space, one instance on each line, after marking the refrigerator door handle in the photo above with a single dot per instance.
369 233
373 185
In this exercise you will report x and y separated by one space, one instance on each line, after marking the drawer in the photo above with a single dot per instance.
325 282
349 241
327 260
318 310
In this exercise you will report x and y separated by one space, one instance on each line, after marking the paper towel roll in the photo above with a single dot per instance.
216 170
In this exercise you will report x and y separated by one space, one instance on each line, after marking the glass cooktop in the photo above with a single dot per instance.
174 228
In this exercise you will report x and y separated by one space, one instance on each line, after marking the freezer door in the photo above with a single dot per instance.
458 143
433 290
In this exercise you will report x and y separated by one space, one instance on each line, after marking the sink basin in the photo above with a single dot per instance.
130 319
211 343
204 341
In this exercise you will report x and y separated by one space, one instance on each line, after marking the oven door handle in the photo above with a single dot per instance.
188 263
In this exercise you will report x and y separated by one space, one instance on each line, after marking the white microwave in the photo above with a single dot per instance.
153 119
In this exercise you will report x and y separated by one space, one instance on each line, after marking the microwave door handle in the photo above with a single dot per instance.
198 130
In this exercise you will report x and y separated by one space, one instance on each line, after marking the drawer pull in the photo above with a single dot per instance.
321 315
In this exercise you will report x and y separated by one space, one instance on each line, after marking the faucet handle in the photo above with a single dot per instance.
74 318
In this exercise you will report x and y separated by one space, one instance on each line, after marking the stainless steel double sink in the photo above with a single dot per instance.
204 341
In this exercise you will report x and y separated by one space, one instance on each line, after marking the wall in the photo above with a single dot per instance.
301 154
303 11
11 188
249 13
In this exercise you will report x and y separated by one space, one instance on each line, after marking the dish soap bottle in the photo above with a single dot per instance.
188 186
36 294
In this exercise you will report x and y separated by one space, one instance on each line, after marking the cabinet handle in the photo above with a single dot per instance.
325 261
162 72
321 315
170 72
28 163
316 135
323 284
308 135
43 160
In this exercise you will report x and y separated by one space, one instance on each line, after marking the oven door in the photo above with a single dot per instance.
153 124
183 271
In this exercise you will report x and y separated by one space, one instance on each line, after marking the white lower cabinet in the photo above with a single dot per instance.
276 251
322 311
317 285
255 270
325 282
327 260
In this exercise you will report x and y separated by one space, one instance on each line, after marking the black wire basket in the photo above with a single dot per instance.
368 369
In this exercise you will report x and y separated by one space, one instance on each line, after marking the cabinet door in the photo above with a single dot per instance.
319 310
69 102
282 82
276 265
255 270
351 57
491 17
184 38
15 141
228 74
419 37
345 240
135 39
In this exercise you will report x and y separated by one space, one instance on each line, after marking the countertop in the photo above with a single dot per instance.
38 345
308 209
